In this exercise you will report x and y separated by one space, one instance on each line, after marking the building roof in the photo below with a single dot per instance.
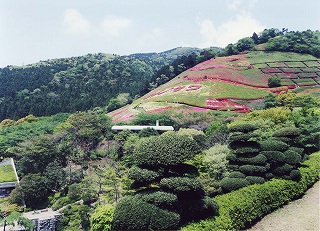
141 127
8 173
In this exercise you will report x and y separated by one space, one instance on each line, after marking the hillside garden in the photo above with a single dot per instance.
88 170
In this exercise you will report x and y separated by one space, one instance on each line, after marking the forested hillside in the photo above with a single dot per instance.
81 83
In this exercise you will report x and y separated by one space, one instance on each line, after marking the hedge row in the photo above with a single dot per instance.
240 208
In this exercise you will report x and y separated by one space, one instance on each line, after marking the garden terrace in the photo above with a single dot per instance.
8 177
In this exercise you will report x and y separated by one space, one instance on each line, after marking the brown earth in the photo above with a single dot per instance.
299 215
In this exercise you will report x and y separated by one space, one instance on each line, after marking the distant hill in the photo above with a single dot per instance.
228 83
79 83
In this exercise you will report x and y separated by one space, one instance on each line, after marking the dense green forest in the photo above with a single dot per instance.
225 167
85 82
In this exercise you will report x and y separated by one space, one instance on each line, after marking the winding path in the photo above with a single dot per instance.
299 215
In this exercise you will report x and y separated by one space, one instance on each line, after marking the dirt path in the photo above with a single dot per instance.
300 215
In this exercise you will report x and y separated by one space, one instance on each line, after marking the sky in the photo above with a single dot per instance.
34 30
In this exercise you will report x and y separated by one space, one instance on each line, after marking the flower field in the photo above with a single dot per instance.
221 83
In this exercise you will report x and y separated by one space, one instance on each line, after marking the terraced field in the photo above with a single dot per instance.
224 83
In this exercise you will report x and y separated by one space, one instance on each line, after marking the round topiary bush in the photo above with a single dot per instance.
273 145
295 175
239 144
255 179
282 170
292 157
245 128
143 175
287 132
167 149
132 213
181 185
254 170
256 160
274 157
198 209
247 151
242 137
159 198
236 174
230 184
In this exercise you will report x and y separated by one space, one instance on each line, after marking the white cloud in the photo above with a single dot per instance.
76 24
113 26
243 25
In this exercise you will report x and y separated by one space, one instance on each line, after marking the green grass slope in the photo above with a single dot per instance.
223 83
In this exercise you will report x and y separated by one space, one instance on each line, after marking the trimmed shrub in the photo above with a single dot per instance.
143 175
257 160
231 184
296 149
292 157
274 157
158 198
134 214
243 207
255 179
167 149
238 144
236 174
273 145
287 132
295 175
246 151
243 137
181 184
242 128
282 170
198 209
252 170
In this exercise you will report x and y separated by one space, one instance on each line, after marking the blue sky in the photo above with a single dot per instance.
34 30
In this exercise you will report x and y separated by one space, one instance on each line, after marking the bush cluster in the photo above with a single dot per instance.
239 209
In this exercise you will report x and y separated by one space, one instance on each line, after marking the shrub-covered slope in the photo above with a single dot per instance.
225 83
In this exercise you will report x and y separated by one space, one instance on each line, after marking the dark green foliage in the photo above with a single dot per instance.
253 170
181 185
256 160
150 119
143 175
243 207
242 128
167 187
192 210
295 175
255 179
167 149
274 82
246 151
251 144
299 42
297 150
230 184
292 157
282 170
270 101
148 132
134 214
274 157
245 44
158 198
290 132
242 137
236 174
273 145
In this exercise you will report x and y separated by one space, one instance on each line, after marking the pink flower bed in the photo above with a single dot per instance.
225 104
159 110
200 109
193 87
176 89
